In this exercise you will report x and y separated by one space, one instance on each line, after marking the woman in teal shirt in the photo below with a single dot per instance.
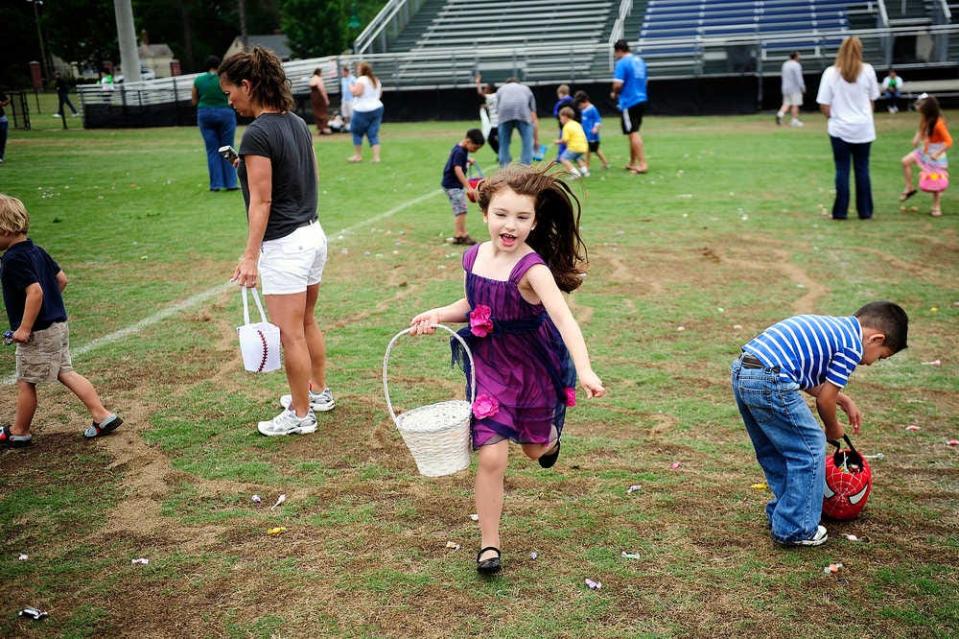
217 123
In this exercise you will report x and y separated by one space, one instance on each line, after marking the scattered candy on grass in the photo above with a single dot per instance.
256 499
912 428
23 557
875 456
33 613
676 465
593 585
952 442
680 328
760 486
279 501
533 555
630 555
832 568
279 530
141 561
737 327
474 517
632 489
452 545
852 538
934 362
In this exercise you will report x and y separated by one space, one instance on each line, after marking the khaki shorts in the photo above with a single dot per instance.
792 99
46 355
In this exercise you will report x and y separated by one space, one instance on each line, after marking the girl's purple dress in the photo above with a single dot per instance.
524 376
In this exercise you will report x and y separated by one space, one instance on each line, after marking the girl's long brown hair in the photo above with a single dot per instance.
364 68
849 59
262 68
929 114
556 236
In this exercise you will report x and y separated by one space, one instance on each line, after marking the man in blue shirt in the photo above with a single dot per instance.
347 80
629 90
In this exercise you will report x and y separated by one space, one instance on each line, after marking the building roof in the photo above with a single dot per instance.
274 42
155 51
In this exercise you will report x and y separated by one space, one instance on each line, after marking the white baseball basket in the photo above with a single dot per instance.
260 342
438 435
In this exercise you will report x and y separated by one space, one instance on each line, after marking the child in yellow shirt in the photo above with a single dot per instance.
576 145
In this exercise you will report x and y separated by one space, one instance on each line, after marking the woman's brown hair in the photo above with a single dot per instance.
364 68
849 59
556 235
263 70
929 114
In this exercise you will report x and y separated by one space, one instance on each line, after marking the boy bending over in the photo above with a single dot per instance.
815 354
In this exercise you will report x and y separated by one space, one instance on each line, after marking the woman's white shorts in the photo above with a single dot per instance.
289 264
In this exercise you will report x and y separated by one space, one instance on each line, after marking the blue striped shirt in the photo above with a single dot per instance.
811 349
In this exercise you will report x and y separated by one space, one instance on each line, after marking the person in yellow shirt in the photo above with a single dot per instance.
576 145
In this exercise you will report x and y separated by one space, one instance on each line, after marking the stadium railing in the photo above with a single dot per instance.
440 68
389 22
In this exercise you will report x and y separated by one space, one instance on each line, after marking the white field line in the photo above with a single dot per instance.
203 296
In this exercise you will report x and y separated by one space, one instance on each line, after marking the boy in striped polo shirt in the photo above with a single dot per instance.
815 354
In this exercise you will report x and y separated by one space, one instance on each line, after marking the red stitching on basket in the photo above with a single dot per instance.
262 361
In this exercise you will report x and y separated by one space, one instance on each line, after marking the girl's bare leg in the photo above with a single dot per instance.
489 493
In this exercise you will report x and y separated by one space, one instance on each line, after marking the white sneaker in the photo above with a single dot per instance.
584 172
56 115
796 124
287 423
779 118
320 402
817 540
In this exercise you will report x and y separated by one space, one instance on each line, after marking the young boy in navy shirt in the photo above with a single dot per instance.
456 185
591 121
32 286
815 354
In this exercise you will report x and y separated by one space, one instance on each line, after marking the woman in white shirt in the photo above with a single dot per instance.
367 112
846 94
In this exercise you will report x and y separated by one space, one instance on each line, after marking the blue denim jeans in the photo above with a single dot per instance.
366 123
841 153
526 136
789 445
3 136
218 126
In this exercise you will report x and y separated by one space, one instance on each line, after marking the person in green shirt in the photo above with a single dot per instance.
217 122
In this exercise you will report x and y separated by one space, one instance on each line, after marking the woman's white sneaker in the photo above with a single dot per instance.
287 423
320 402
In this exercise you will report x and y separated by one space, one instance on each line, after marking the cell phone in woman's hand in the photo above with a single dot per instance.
229 154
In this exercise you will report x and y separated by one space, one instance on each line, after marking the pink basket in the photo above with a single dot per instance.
933 179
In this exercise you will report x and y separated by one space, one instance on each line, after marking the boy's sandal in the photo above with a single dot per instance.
546 460
905 195
105 427
936 212
9 440
489 566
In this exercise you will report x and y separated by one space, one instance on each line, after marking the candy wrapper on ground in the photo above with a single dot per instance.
33 613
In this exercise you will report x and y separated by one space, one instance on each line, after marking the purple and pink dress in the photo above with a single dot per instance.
524 376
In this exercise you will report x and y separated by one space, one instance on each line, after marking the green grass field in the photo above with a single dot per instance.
726 235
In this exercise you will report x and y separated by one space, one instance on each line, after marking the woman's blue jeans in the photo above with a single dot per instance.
842 151
366 123
218 126
790 447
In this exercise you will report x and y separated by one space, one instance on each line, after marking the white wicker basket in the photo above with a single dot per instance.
438 435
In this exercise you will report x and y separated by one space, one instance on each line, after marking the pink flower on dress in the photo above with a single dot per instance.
481 323
485 406
570 396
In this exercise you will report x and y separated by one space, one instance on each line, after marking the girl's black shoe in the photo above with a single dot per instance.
548 459
489 566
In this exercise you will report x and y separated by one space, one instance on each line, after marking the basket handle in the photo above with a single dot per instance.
386 363
246 305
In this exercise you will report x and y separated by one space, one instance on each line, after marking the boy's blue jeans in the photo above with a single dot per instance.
789 445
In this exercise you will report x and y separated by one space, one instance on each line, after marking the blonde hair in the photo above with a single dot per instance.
14 218
562 90
849 59
568 112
